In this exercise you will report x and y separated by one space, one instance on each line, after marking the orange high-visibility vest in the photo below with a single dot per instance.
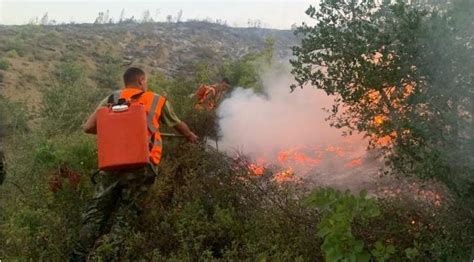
153 104
205 97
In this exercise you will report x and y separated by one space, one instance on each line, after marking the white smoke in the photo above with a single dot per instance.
261 125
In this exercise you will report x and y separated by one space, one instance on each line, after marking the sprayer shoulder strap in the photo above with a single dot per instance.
136 96
115 96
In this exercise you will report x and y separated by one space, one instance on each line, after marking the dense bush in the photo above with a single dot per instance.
14 46
246 72
37 223
4 64
419 230
202 207
108 75
68 99
11 54
207 206
13 118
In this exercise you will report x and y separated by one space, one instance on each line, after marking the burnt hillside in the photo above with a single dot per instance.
32 52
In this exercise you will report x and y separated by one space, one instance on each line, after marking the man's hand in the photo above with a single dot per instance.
192 138
184 130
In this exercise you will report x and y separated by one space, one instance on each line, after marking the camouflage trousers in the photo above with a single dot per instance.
116 205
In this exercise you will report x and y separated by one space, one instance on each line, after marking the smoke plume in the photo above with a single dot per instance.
265 126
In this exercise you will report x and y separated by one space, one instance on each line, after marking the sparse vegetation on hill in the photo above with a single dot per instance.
104 50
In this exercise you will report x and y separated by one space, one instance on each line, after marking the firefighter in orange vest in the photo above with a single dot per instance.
209 96
122 191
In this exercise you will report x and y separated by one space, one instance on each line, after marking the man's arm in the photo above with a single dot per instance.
169 118
184 130
90 126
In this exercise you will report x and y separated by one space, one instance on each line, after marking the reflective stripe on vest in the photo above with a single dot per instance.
156 152
153 106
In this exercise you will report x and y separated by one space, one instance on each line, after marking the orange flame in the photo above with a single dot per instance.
285 176
354 163
339 151
379 120
256 170
293 163
299 157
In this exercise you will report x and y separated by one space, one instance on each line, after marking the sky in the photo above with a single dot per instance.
278 14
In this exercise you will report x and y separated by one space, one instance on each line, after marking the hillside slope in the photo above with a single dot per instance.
173 49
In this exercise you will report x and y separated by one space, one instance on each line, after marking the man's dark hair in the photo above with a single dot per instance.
225 80
132 75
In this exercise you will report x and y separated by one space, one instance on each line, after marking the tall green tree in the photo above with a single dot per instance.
398 73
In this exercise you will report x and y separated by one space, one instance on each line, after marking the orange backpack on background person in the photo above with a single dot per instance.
128 130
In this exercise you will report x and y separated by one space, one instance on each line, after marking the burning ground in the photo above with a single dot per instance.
286 133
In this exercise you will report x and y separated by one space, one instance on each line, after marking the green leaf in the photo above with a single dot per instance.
411 253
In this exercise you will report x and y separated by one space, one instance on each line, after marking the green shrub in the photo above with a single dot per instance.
339 210
109 72
357 228
68 100
13 117
4 64
39 223
15 46
12 54
420 230
246 72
